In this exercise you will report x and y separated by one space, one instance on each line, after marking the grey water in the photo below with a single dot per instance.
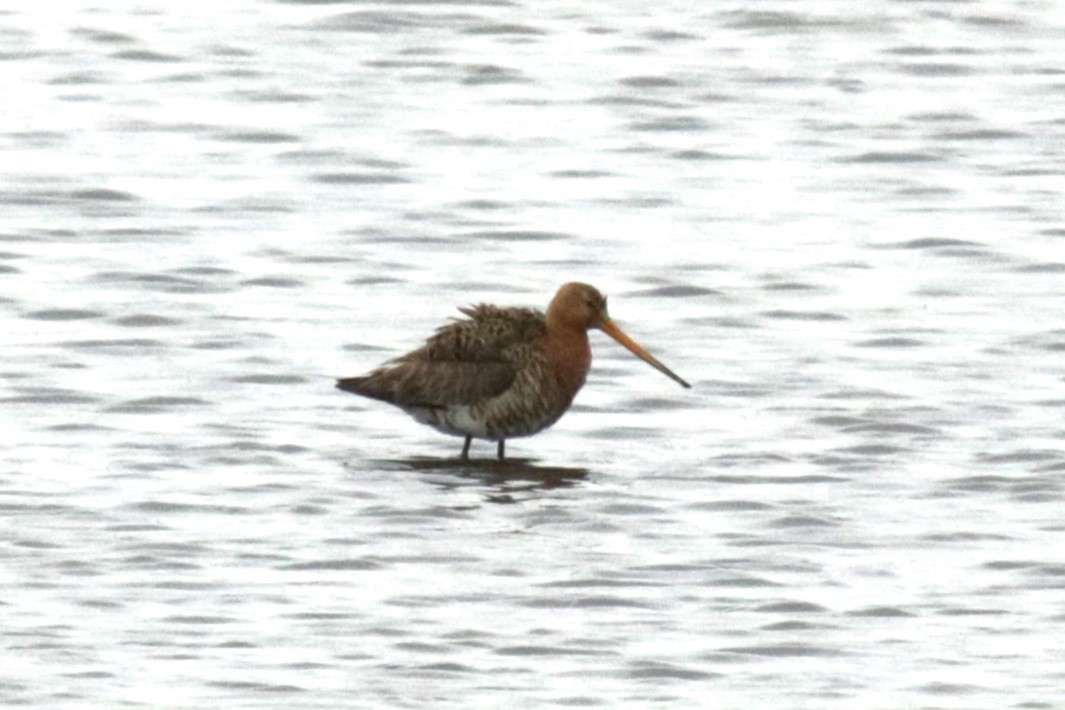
841 222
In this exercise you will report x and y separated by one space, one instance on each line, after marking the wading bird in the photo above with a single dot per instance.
500 373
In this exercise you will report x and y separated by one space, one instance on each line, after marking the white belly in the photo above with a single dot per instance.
457 420
467 420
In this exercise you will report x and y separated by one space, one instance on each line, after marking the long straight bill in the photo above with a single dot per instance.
608 327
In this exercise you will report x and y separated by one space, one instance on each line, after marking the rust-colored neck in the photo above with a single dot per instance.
569 357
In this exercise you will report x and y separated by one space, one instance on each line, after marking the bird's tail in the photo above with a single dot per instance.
355 385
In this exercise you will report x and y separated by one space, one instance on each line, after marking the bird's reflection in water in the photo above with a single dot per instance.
505 477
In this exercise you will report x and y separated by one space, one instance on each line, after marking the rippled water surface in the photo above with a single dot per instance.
843 223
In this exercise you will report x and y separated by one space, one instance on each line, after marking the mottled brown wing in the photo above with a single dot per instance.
425 383
489 334
465 362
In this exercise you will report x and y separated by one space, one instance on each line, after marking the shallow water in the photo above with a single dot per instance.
843 225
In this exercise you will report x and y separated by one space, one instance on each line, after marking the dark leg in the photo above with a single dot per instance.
466 449
499 449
